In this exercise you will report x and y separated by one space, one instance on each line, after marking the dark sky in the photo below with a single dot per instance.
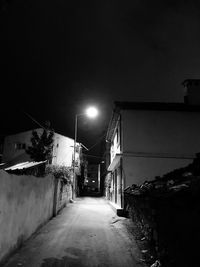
57 57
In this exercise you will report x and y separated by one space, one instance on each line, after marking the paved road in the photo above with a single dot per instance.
86 233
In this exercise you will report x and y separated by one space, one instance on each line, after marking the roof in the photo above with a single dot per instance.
38 130
24 132
2 164
24 165
182 180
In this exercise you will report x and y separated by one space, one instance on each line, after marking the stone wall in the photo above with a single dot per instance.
26 202
63 195
169 220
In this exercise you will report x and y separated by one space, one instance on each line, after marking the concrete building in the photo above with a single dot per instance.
148 140
14 150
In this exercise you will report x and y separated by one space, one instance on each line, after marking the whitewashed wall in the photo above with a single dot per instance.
26 202
157 142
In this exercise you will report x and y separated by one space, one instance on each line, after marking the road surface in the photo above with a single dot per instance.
86 233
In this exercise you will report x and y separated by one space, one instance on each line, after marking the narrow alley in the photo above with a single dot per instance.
85 233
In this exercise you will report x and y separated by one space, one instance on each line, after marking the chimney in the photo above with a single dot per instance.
192 91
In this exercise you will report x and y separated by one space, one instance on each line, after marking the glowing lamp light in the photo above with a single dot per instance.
91 112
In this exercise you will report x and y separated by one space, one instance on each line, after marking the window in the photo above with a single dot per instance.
118 135
23 146
20 146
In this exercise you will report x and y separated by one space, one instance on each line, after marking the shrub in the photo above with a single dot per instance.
60 172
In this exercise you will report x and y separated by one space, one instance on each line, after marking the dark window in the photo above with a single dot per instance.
23 146
20 146
118 135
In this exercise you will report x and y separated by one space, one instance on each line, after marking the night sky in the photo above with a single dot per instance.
58 57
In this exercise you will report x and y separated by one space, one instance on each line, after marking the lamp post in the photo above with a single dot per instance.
90 112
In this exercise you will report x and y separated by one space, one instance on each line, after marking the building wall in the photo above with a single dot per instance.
116 185
156 142
136 170
63 194
115 147
26 202
165 132
11 153
63 150
152 144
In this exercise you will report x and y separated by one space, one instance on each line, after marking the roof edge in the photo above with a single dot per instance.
173 106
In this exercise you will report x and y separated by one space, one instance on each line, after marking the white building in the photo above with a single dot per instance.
14 150
148 140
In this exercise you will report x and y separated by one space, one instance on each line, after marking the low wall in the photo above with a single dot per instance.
26 202
169 221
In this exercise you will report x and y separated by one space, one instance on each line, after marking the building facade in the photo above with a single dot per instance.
14 150
148 140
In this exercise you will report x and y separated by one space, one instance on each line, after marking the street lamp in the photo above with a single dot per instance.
90 112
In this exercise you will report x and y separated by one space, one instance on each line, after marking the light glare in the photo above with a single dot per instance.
91 112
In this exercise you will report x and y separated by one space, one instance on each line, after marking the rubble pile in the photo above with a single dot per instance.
167 214
163 187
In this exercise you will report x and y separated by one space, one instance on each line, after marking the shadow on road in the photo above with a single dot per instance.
65 261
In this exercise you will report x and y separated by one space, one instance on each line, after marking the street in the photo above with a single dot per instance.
85 233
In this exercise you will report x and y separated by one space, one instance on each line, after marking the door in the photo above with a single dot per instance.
119 186
116 188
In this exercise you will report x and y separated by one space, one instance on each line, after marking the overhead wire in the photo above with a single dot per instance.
93 156
28 115
97 142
